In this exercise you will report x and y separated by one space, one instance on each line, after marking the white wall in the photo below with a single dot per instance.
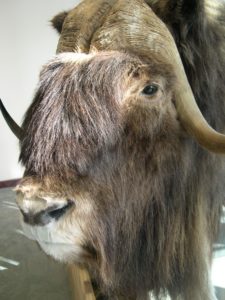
27 41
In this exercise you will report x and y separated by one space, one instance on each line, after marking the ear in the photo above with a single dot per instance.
58 20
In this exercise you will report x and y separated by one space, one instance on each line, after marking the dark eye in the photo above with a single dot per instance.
150 89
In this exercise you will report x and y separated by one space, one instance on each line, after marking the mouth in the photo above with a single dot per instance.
58 245
43 234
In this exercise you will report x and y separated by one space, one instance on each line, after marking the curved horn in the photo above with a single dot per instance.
81 23
143 33
11 123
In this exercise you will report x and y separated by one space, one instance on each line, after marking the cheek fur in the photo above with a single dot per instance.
146 118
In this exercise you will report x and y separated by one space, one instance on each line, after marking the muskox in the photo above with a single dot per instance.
121 171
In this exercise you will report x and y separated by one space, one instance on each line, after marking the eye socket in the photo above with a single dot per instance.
150 89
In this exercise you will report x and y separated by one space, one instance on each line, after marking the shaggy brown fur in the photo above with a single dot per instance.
157 196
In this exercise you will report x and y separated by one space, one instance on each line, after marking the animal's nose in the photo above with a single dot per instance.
38 211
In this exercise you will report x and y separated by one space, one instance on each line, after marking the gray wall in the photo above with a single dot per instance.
27 41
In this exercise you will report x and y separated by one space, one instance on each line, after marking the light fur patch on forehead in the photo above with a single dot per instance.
74 57
213 8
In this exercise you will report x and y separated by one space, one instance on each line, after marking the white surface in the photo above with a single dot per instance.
218 272
27 42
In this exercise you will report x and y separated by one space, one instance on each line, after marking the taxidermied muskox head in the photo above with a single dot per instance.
105 148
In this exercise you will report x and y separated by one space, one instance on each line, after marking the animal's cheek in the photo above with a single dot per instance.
145 116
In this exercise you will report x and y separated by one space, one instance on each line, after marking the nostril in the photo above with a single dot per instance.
56 213
45 216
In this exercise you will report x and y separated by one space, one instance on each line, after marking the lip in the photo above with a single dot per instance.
44 235
64 248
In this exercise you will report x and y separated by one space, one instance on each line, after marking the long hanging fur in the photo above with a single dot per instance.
157 199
